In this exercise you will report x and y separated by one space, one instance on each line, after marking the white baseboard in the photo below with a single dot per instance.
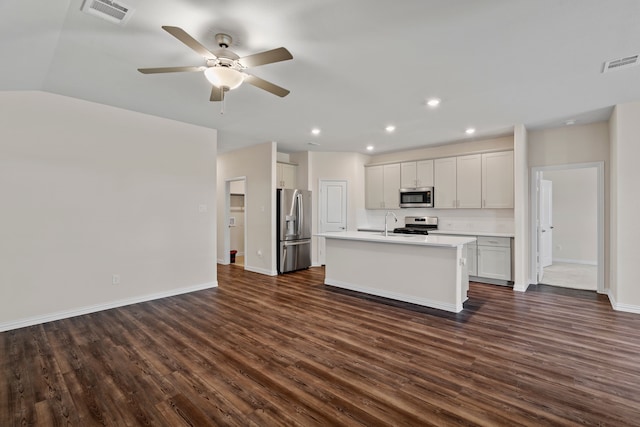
261 270
622 307
520 287
50 317
575 261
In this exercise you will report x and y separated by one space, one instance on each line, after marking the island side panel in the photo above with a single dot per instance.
424 275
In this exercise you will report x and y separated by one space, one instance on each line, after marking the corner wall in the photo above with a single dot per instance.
257 165
89 191
339 166
625 207
578 144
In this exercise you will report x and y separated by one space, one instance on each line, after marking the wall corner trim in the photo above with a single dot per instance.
520 287
36 320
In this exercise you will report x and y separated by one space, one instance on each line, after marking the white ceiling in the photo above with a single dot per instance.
358 65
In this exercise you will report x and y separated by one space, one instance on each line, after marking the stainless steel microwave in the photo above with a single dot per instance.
416 197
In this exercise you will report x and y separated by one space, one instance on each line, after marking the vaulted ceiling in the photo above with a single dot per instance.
358 65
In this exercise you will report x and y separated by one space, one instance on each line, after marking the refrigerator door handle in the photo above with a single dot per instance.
300 213
297 242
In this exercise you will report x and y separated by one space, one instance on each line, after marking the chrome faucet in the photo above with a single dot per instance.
386 232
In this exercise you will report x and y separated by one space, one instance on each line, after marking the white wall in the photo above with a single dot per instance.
575 215
257 164
339 166
89 191
625 207
577 144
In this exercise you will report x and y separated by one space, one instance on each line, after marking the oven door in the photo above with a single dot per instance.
416 197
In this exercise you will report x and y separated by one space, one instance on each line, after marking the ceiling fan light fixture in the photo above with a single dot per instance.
224 77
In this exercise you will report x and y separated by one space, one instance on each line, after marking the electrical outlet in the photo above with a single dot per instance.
115 279
259 252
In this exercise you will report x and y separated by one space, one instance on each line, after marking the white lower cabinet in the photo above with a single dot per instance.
494 258
488 259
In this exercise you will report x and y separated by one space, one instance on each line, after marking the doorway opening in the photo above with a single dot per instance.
567 227
235 238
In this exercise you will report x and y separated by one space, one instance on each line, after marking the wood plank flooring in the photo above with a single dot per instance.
265 351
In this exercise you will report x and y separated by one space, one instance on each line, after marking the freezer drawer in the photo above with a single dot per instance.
294 255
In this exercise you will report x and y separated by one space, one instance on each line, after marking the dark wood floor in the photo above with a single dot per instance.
263 351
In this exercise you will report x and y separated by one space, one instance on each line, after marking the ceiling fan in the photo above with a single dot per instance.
224 69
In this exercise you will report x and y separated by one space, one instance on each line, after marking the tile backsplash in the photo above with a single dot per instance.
472 220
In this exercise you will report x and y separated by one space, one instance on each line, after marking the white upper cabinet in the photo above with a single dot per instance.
424 173
416 174
444 180
408 175
286 175
497 180
464 182
382 186
469 181
392 186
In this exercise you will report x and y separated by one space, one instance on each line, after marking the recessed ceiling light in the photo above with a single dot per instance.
433 102
370 147
315 131
390 128
570 122
470 131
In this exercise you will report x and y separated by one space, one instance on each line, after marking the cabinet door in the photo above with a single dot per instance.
286 175
444 181
289 176
497 180
374 187
494 262
408 175
391 190
424 173
472 259
469 181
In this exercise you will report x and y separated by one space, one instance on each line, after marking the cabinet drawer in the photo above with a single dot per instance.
503 242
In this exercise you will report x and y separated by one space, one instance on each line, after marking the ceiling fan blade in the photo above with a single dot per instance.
185 38
170 69
268 86
268 57
216 94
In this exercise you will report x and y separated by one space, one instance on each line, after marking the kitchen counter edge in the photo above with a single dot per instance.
399 239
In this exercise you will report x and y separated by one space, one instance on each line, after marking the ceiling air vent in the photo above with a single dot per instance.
112 11
618 64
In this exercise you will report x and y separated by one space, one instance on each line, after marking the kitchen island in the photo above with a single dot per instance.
424 270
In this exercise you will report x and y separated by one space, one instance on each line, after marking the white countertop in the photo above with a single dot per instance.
471 233
402 239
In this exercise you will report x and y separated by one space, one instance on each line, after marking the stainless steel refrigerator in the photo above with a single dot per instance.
293 229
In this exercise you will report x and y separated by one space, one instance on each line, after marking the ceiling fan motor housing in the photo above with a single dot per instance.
223 40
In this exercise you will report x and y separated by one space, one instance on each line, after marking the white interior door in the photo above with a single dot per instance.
333 210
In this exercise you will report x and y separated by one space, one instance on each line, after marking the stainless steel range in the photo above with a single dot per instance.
418 225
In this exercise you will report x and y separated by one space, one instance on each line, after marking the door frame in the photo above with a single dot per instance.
226 256
536 173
